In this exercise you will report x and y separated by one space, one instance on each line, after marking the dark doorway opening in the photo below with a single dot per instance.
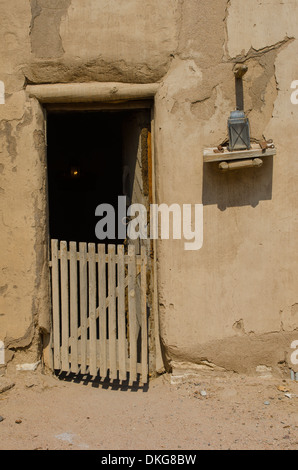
93 158
86 159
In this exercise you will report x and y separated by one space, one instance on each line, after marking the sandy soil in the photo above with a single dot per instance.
44 412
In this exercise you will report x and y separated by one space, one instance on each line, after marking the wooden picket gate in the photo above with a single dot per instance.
99 306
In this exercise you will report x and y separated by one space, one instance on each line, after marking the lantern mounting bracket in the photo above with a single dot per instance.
222 155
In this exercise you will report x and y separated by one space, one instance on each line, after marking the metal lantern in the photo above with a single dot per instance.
239 133
238 123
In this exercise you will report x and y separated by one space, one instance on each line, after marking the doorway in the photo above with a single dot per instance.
100 288
93 157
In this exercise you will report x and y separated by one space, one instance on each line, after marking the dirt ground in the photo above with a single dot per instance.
210 412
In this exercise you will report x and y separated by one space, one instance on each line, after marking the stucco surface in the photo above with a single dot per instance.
234 302
102 41
259 24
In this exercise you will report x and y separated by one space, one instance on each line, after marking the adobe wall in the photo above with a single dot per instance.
234 303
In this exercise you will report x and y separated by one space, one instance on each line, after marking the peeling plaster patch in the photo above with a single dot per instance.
264 371
239 327
262 80
3 289
77 71
11 142
202 30
294 309
289 318
26 120
39 143
182 371
21 343
35 11
204 108
265 349
27 367
183 76
45 27
225 21
255 53
76 32
150 42
257 24
25 350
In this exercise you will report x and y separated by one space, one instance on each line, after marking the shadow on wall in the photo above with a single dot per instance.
246 187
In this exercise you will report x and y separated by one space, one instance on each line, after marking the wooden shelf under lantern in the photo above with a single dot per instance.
239 159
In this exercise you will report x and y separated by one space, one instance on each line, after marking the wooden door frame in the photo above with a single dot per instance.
103 96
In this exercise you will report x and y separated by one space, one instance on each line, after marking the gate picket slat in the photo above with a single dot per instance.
132 314
65 306
121 315
83 306
102 310
55 304
144 315
73 307
112 312
92 310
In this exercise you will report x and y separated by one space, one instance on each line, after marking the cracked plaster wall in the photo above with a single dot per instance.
245 272
233 303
